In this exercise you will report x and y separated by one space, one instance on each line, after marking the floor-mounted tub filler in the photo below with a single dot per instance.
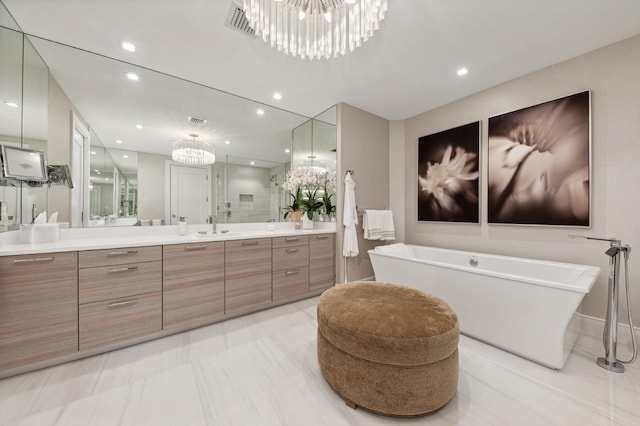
525 306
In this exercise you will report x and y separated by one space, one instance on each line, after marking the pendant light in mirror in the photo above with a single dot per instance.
193 152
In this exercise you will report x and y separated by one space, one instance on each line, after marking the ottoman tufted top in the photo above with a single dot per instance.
388 323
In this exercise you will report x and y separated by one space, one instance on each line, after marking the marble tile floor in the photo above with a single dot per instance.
261 369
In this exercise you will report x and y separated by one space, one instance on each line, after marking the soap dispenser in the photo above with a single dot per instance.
182 226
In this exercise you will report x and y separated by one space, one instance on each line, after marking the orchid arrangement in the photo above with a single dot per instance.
311 190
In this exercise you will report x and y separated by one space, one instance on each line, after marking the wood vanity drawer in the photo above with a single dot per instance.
193 284
119 256
321 261
109 282
290 283
38 307
290 241
247 272
116 320
290 257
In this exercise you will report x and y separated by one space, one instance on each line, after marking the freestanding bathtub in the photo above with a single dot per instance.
527 307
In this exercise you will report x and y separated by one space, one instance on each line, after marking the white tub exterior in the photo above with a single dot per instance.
527 307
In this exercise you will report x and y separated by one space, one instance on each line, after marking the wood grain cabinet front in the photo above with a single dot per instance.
322 257
38 308
193 284
112 321
247 271
290 267
120 295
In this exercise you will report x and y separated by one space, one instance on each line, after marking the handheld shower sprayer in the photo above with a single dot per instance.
609 338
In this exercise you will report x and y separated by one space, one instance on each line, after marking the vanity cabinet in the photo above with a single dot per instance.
290 267
120 295
322 257
193 284
38 308
247 271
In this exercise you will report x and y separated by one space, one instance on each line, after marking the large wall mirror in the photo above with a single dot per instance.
114 123
137 113
23 118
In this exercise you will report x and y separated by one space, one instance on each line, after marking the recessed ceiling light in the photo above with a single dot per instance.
260 112
277 96
462 71
253 163
11 104
287 150
118 141
227 143
139 126
133 76
130 47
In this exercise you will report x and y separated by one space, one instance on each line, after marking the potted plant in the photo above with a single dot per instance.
294 210
311 205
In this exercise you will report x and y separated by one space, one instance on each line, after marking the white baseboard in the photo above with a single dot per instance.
594 327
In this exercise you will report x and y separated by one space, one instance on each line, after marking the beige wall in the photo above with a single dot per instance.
59 148
363 146
612 76
151 183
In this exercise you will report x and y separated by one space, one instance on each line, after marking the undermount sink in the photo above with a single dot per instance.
217 235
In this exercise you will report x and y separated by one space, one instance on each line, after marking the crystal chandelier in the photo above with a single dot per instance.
315 28
193 152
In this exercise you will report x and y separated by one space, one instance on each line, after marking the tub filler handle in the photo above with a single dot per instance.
473 261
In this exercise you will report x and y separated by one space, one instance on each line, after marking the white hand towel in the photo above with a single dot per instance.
378 225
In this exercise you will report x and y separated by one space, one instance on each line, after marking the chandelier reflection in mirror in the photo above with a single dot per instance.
193 152
315 28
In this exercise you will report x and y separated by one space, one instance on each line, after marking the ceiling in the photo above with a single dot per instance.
408 67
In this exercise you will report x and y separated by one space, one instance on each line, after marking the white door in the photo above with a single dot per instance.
190 189
79 174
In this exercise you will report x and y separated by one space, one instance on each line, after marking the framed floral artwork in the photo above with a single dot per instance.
448 175
539 164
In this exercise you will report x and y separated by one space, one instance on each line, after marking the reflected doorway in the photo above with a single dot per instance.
190 189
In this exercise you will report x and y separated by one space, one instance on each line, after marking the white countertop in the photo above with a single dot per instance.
135 236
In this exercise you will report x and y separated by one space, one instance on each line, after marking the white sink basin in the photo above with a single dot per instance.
217 235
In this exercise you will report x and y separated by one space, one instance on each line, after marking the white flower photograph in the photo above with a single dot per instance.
539 164
448 175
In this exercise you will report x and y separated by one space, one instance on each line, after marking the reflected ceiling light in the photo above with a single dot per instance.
125 156
260 112
253 163
93 153
315 28
193 152
133 76
462 71
287 150
11 104
277 96
139 126
130 47
118 141
227 143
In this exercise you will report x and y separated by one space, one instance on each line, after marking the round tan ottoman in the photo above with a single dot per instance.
387 348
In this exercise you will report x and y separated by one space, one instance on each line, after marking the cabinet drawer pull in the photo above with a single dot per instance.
198 247
322 237
289 273
291 239
121 304
291 250
35 259
125 269
250 243
122 252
